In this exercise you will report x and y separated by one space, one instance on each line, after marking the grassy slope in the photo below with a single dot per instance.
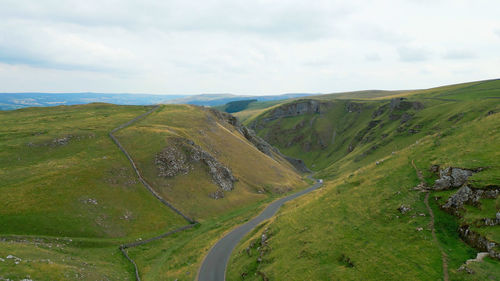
47 188
354 216
45 191
254 109
179 256
254 170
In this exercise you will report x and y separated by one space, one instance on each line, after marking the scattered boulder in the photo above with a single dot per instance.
91 201
404 209
350 148
479 258
451 177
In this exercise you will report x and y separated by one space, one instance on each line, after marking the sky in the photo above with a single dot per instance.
245 47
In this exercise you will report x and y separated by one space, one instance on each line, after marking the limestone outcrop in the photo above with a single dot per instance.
179 158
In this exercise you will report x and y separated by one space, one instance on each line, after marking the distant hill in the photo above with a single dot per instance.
220 99
9 101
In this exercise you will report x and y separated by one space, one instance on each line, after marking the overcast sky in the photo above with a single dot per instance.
245 47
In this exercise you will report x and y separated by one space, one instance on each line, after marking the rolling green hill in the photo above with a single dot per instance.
411 187
370 221
70 196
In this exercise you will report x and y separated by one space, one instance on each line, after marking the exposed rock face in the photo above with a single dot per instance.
463 195
292 109
456 177
172 161
179 158
353 107
261 144
298 164
296 108
489 221
478 241
258 142
451 177
403 104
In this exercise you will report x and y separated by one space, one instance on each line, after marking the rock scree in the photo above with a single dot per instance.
179 158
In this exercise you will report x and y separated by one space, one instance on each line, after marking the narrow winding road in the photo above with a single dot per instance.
214 265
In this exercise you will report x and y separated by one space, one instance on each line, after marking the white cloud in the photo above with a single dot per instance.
372 57
413 54
459 55
250 47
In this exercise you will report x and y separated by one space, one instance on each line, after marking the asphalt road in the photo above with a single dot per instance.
214 266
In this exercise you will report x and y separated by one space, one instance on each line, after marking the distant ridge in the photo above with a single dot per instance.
220 99
9 101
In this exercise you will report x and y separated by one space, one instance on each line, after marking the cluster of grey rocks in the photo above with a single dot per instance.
180 157
452 177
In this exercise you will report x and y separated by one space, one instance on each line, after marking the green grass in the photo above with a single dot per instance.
45 188
63 259
350 230
253 169
180 256
85 190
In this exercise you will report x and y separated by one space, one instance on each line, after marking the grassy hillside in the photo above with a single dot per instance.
257 173
61 175
70 196
351 229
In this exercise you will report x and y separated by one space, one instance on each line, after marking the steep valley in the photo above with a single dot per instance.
107 192
370 221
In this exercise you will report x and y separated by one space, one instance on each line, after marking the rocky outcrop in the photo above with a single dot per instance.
179 158
489 221
353 107
404 104
298 164
468 195
479 242
464 195
296 108
257 141
249 134
451 178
